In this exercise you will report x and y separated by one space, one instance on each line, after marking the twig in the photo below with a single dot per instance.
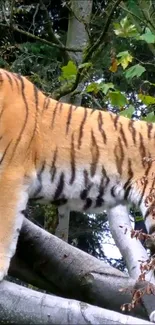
11 12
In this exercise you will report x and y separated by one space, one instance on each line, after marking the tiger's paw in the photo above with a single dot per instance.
152 317
2 275
4 266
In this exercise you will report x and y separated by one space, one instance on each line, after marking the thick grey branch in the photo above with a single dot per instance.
72 272
20 305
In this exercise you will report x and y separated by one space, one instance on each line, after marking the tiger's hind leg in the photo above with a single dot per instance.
13 200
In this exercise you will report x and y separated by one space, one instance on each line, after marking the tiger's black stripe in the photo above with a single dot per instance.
87 204
46 103
119 155
5 152
39 179
72 158
54 113
26 115
100 200
16 81
81 129
95 154
142 149
100 124
116 119
36 98
9 79
104 173
123 135
127 185
60 186
132 130
53 166
69 118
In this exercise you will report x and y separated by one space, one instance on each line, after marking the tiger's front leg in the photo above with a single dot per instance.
13 200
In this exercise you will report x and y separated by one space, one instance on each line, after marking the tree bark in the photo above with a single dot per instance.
79 18
71 272
131 249
20 305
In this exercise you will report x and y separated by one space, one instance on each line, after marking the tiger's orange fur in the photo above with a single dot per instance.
81 159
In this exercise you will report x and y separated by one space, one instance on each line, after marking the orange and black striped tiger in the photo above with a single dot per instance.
81 159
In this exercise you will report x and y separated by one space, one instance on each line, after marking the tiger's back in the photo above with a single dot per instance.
79 158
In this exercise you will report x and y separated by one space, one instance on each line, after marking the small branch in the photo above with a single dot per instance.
16 29
102 36
11 12
49 29
95 101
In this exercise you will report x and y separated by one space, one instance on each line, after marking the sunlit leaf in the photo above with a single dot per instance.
124 59
69 71
125 28
93 87
146 99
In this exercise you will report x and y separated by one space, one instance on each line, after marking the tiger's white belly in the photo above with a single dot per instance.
98 194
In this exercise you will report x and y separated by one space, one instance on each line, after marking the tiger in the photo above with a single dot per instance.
81 159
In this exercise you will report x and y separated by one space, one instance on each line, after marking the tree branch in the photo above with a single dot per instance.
41 39
72 272
49 29
11 12
20 305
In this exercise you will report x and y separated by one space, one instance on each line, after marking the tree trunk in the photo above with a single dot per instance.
79 18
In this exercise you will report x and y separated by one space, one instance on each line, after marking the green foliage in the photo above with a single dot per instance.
146 99
147 36
128 112
68 72
124 58
117 98
149 118
95 87
125 29
135 71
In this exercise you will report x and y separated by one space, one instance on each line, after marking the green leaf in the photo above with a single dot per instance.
69 72
117 98
93 87
96 87
105 87
146 99
135 71
128 112
147 37
124 59
125 28
149 118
